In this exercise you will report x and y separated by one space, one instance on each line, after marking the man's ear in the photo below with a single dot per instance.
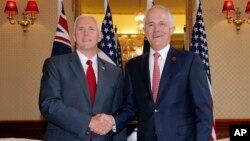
172 29
74 37
144 29
100 36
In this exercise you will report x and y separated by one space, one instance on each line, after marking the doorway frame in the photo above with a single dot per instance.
190 5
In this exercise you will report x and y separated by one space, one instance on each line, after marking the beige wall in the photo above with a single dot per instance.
22 56
229 54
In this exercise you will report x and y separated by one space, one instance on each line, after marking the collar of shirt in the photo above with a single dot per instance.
84 60
162 59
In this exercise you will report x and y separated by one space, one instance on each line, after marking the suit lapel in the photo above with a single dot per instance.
168 70
101 78
80 75
145 74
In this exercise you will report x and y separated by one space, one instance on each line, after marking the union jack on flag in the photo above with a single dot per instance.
199 46
61 43
108 44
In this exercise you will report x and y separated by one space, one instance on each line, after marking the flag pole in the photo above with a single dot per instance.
150 3
116 37
105 5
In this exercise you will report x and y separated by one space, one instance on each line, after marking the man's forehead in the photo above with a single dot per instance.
87 25
85 22
158 17
162 20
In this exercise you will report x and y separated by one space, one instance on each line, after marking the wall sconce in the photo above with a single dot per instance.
228 8
32 9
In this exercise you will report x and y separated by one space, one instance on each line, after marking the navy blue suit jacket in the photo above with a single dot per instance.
183 110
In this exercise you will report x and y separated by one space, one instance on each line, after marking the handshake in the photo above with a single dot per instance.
101 124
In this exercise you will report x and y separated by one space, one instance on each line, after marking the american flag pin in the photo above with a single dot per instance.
173 58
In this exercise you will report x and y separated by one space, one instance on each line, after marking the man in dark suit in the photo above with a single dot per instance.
165 88
69 100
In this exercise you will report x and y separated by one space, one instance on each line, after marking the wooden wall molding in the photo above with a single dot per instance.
30 129
35 129
222 126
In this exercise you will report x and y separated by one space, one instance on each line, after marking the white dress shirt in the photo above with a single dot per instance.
161 60
85 66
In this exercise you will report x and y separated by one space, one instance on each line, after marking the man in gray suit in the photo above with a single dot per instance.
65 99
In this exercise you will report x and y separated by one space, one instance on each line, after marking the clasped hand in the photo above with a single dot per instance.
101 124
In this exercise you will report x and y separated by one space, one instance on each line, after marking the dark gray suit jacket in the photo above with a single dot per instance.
65 102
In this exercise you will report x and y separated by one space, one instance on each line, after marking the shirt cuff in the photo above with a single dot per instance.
114 126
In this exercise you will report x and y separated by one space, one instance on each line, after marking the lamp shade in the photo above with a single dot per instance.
248 8
31 8
11 7
228 7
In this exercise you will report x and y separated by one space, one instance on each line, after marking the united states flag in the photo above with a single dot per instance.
199 46
108 44
118 48
61 43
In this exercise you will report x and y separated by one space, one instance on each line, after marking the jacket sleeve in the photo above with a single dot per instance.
52 105
121 135
126 112
201 95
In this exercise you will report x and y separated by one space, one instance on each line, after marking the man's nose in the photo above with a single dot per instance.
85 32
156 28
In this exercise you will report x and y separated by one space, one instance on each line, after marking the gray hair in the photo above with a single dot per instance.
166 10
86 15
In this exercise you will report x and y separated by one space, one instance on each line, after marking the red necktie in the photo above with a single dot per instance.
91 81
156 76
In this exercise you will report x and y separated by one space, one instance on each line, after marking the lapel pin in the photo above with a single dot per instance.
103 67
173 58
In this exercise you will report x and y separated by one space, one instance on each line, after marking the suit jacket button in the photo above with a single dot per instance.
156 110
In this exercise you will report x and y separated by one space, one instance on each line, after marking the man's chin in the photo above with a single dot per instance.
157 46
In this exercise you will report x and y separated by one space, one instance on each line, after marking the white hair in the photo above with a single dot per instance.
166 10
84 16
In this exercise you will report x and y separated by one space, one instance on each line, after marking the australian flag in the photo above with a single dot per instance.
199 46
108 44
61 43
